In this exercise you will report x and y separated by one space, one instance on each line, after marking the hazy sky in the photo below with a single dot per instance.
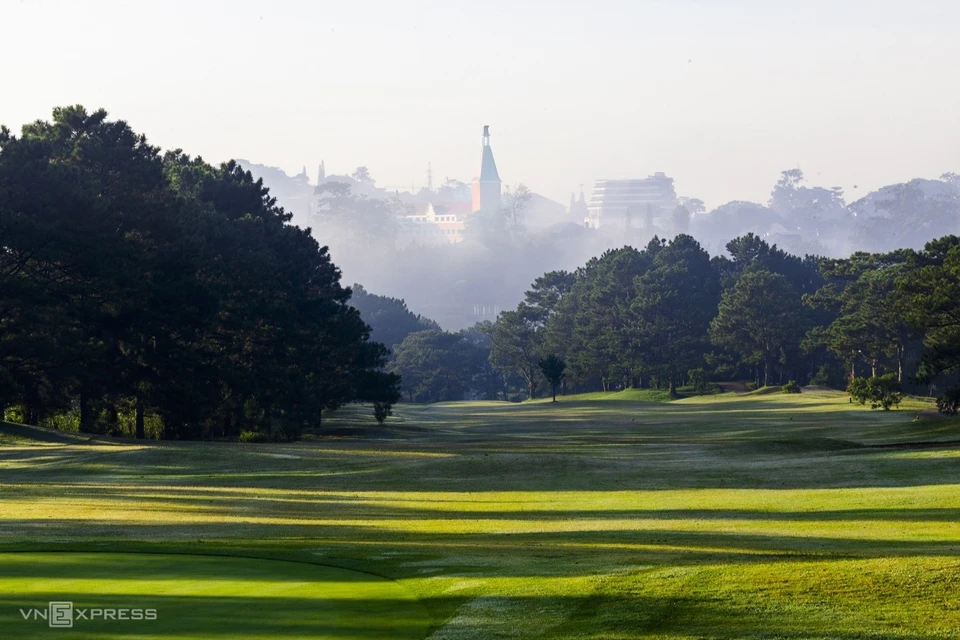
719 94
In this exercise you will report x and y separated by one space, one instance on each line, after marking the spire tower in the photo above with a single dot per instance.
487 188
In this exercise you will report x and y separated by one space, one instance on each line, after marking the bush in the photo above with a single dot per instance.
15 414
381 410
882 391
751 386
949 403
65 421
791 387
254 436
700 381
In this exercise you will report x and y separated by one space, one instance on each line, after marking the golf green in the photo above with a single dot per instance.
143 596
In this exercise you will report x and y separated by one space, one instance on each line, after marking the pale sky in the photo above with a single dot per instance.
719 94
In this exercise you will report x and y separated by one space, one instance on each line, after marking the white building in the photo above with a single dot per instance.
442 223
641 203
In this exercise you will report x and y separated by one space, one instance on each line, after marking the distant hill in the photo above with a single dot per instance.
871 205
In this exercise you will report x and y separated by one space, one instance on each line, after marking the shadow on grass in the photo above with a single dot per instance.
586 617
512 550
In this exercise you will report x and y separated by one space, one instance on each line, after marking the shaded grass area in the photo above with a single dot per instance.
621 516
11 433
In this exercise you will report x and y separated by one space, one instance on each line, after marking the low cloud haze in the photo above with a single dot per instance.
465 265
721 96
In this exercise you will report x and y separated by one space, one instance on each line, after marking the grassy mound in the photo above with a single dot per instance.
765 391
11 433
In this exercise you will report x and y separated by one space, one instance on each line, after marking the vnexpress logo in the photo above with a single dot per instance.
61 615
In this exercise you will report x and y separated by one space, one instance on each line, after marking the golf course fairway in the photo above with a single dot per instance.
201 597
603 517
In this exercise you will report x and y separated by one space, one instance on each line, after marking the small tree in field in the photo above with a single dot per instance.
553 370
699 382
882 392
791 387
381 410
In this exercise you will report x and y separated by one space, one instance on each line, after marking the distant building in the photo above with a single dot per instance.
578 208
440 223
486 188
641 203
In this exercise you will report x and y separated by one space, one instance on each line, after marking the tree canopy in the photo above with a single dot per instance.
167 287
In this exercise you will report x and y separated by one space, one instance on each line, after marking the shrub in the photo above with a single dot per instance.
791 387
64 421
751 386
699 381
15 414
949 403
381 410
881 391
858 390
254 436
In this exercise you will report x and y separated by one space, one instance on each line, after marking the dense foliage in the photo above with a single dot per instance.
146 293
669 315
389 319
882 392
159 286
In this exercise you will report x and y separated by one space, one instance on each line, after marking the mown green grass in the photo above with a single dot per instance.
202 597
617 516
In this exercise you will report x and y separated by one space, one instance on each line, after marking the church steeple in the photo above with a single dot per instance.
486 188
488 168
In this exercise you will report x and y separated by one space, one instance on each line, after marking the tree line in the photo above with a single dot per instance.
156 294
669 314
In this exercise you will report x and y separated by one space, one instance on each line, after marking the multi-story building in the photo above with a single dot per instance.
640 203
435 223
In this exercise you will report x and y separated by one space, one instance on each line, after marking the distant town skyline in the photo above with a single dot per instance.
721 95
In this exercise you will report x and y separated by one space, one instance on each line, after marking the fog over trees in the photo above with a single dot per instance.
154 294
459 284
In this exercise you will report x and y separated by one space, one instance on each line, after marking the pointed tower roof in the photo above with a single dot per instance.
488 168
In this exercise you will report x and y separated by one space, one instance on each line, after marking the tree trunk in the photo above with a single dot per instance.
673 388
900 351
139 431
766 372
114 418
873 368
86 413
554 393
3 409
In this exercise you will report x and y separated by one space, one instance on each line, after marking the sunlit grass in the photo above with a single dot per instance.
203 597
601 516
